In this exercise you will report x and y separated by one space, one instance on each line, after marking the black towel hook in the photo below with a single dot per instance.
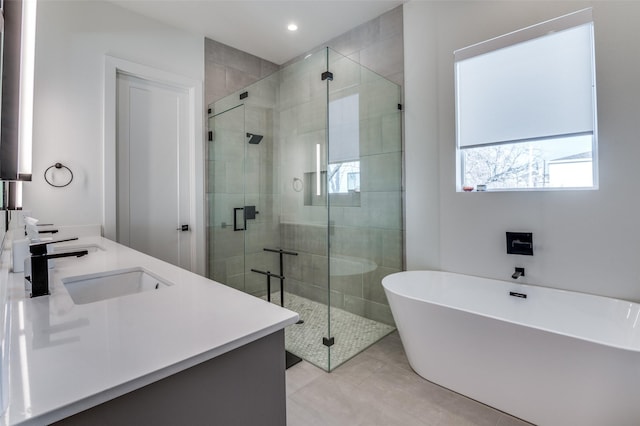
58 166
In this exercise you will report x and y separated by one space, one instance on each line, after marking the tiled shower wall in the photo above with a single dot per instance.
377 45
365 228
373 232
228 69
375 235
242 174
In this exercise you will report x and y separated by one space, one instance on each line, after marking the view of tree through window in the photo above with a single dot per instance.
344 177
540 164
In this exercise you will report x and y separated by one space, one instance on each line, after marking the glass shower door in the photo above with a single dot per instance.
242 204
226 194
261 230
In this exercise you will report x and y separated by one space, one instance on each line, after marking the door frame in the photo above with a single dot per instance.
113 66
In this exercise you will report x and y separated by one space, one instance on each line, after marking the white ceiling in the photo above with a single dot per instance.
260 26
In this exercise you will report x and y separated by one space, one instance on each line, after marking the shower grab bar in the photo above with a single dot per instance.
269 275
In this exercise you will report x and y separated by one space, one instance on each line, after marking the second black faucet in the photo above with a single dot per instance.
38 276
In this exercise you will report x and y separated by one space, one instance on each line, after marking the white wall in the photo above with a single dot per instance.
72 40
587 241
422 177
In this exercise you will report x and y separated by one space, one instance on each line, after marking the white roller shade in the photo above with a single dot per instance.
530 84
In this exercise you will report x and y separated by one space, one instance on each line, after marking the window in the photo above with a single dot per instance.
526 108
344 177
344 145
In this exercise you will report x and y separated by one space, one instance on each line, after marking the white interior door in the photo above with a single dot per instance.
152 169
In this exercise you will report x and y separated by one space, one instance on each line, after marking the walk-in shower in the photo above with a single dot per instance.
305 194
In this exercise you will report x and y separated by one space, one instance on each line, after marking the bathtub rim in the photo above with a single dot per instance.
497 318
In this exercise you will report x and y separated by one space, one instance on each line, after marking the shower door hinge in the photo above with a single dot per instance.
400 107
210 135
327 75
244 95
328 341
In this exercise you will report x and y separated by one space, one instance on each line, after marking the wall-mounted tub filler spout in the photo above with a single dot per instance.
518 273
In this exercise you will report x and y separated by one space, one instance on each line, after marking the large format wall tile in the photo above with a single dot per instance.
369 231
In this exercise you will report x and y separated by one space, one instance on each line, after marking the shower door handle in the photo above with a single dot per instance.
248 212
235 219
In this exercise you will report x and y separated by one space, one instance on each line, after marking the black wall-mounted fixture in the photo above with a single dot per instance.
255 139
50 174
520 243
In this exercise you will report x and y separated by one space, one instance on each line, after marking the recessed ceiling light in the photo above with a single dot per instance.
292 27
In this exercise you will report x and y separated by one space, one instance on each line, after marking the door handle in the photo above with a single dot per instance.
183 228
248 212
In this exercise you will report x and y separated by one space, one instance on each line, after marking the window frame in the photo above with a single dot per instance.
566 22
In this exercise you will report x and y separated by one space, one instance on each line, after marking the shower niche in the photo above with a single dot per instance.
315 192
321 161
314 188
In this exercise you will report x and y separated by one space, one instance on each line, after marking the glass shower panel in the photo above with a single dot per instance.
225 190
304 215
244 184
309 164
262 203
364 184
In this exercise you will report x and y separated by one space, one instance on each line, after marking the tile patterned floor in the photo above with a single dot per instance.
352 333
378 387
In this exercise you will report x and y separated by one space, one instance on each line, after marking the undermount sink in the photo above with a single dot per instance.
108 285
64 248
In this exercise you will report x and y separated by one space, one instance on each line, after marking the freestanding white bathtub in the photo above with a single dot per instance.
553 358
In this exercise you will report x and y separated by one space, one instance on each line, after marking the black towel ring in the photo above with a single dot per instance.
58 166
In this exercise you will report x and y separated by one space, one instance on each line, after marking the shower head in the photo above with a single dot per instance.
255 139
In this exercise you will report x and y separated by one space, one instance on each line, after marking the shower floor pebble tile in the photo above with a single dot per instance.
377 387
352 333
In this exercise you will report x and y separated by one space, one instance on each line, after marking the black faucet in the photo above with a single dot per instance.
39 277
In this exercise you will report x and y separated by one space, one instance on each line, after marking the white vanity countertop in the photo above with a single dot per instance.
65 358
